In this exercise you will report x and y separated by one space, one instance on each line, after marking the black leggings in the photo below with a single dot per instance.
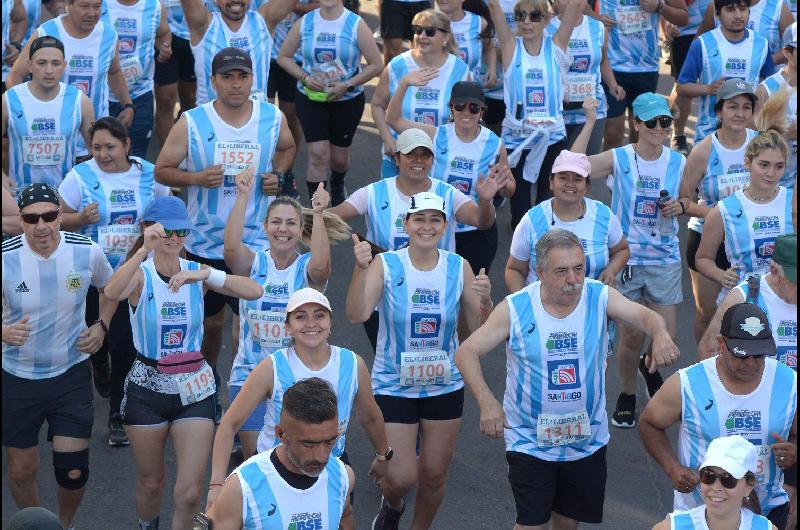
521 201
478 247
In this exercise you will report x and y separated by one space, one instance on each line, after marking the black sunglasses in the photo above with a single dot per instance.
665 121
429 31
533 16
709 477
181 232
33 218
474 108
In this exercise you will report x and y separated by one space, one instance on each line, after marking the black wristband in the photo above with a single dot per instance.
102 325
683 208
127 106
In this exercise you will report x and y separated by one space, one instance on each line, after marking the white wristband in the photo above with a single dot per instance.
216 278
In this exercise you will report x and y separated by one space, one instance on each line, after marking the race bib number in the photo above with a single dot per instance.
420 368
330 72
763 465
45 150
173 3
131 68
580 87
196 386
732 182
268 328
236 156
118 239
536 117
555 430
633 19
258 95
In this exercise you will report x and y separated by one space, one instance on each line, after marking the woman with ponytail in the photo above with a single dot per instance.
281 270
749 220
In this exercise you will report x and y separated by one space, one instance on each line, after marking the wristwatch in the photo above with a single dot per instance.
384 458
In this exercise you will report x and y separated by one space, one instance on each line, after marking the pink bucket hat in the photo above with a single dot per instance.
574 162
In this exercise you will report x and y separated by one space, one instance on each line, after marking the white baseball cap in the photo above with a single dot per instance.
307 295
412 138
426 201
734 454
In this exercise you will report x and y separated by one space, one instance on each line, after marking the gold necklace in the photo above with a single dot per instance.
760 199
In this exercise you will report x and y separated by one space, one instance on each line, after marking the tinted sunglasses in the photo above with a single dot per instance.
665 121
709 477
181 232
474 108
533 16
33 218
429 31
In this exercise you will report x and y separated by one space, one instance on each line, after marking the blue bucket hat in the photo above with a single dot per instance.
170 212
649 105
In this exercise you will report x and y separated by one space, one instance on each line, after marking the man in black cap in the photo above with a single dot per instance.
46 345
218 140
744 390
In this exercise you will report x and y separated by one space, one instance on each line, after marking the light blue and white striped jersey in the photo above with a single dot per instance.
88 61
508 10
792 7
417 335
723 59
282 30
462 164
43 135
341 372
427 104
252 37
52 292
585 50
8 6
534 92
772 84
765 19
695 519
782 318
261 322
633 42
386 208
269 503
164 322
635 186
212 141
598 229
751 229
330 48
467 33
725 173
176 19
136 26
697 10
122 198
33 10
709 411
556 371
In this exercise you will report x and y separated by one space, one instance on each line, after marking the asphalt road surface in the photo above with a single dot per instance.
638 493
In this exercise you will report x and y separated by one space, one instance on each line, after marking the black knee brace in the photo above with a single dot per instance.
65 463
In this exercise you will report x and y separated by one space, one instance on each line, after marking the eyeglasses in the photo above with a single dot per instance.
33 218
429 31
665 121
709 477
533 16
474 108
181 232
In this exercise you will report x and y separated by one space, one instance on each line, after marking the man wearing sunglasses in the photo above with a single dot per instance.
46 345
729 51
744 390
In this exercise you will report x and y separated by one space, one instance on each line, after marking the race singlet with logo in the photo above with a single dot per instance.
262 327
136 26
635 187
330 48
555 398
633 42
417 337
341 372
782 320
212 141
269 503
725 174
462 164
709 411
43 135
470 47
751 229
725 60
252 37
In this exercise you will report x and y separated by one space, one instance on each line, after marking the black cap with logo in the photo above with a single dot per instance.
231 59
746 331
467 92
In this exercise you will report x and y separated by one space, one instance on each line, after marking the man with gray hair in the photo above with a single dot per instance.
553 414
